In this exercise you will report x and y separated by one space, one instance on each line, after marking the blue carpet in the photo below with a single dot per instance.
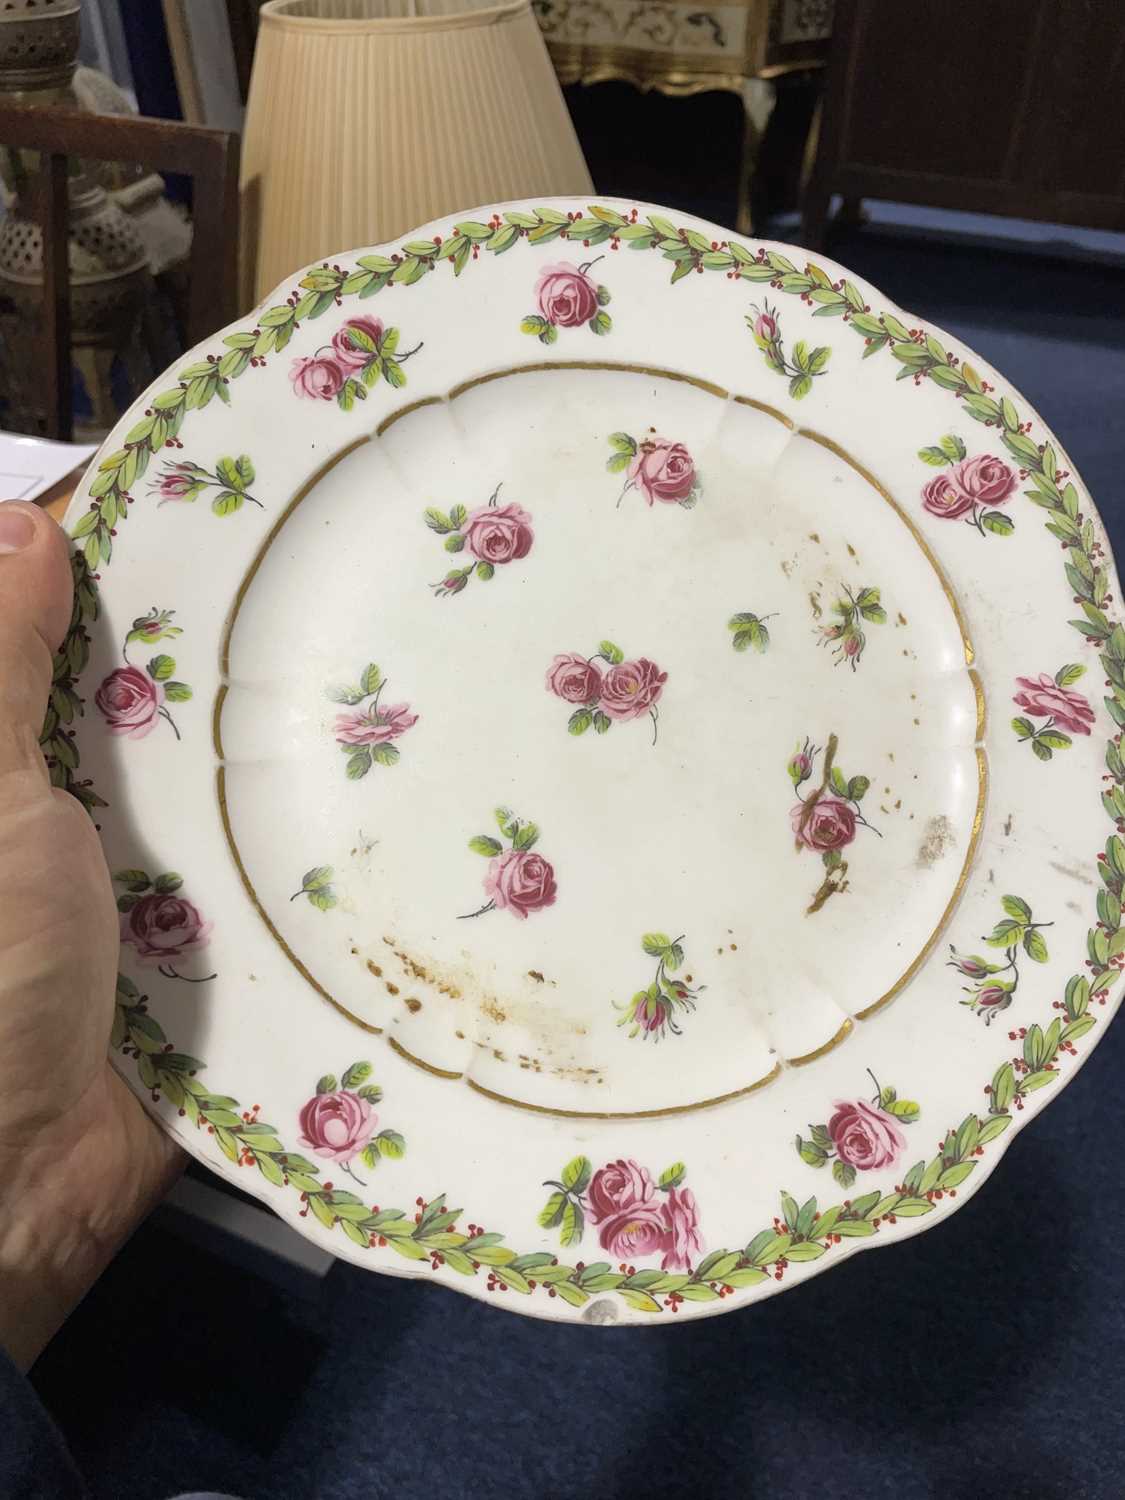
986 1358
1047 311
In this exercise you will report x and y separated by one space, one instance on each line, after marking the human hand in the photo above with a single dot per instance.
80 1161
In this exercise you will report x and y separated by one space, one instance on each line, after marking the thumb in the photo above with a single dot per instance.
36 594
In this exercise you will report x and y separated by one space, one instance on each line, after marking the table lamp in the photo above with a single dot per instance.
367 118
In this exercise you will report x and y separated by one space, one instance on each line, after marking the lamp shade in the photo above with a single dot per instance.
369 117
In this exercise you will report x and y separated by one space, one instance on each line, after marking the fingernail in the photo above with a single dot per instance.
16 529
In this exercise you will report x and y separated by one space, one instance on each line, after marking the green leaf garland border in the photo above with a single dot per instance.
426 1233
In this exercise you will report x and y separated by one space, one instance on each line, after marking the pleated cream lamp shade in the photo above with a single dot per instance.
368 118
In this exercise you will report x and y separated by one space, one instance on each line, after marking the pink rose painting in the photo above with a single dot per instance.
634 1215
517 880
130 701
365 731
657 1010
986 480
631 688
865 1137
828 824
362 352
355 342
133 700
860 1136
683 1243
338 1124
968 489
663 471
622 1203
317 376
158 923
617 1187
994 984
1062 712
492 536
567 297
638 1230
575 679
941 497
624 690
659 470
375 726
498 534
826 819
520 882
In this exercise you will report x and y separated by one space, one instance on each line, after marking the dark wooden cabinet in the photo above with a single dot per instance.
996 106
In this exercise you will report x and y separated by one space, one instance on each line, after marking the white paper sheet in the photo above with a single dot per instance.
30 466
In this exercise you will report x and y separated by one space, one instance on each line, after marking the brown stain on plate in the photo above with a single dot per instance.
428 973
939 838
